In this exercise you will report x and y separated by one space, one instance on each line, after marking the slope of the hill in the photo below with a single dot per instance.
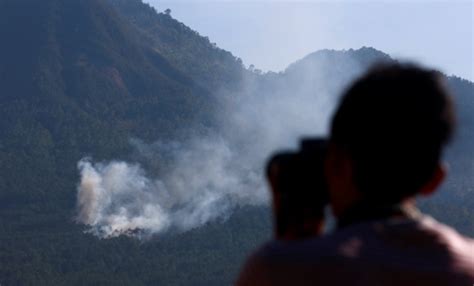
79 79
189 52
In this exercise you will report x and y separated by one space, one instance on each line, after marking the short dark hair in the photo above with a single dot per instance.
394 122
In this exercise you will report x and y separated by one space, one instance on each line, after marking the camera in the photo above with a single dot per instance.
298 180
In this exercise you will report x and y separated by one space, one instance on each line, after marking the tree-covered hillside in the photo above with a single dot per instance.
81 78
189 52
77 78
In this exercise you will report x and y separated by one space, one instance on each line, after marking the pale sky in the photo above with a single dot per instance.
273 34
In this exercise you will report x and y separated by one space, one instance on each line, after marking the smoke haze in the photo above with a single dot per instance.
204 177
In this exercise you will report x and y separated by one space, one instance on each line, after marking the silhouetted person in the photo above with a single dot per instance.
299 191
386 145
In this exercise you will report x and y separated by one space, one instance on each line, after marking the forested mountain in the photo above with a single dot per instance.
81 78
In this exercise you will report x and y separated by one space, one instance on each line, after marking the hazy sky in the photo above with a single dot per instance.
273 34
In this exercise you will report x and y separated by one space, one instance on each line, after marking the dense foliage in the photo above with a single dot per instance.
81 78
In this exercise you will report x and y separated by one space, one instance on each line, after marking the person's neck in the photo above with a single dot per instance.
368 210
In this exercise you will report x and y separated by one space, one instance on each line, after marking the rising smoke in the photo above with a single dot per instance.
205 177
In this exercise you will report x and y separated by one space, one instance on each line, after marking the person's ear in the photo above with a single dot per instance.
435 181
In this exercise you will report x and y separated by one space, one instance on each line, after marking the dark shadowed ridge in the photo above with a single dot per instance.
81 77
185 48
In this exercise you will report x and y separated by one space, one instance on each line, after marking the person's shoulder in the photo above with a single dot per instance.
423 231
459 245
445 229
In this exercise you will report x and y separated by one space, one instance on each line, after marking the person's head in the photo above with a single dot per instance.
387 136
299 194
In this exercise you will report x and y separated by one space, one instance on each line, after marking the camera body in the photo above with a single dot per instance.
298 183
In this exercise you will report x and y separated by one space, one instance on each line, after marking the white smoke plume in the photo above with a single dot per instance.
203 181
205 177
